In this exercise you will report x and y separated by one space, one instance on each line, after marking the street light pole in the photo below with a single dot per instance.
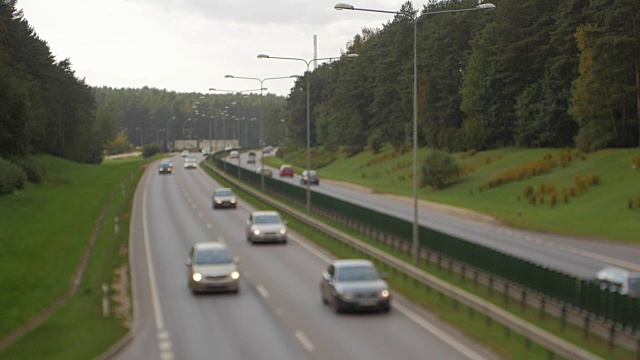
261 117
415 241
307 62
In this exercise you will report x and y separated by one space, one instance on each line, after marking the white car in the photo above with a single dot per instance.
211 267
190 162
266 226
234 154
185 153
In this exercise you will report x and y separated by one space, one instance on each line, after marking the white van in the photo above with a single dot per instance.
623 281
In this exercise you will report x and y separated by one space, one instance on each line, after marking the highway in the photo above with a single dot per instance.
570 254
278 313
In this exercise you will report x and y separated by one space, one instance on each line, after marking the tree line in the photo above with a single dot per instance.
531 73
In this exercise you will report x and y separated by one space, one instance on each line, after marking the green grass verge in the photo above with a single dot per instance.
507 344
389 172
45 230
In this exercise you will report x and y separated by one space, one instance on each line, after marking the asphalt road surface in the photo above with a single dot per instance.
278 313
574 255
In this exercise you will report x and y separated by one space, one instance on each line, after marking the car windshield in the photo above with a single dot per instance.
214 256
267 219
357 273
223 193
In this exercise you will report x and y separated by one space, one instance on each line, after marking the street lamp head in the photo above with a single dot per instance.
212 89
350 56
486 6
228 76
343 6
263 56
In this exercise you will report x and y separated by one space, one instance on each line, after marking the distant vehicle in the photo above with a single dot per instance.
228 148
190 162
310 177
251 157
267 172
165 167
223 197
354 284
185 153
211 267
206 152
267 150
265 226
286 170
234 154
623 281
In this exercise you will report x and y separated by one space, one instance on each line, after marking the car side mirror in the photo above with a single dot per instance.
325 275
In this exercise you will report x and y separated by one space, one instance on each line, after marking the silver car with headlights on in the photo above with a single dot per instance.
266 226
223 197
211 267
354 285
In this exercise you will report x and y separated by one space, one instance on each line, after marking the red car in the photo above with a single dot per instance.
286 170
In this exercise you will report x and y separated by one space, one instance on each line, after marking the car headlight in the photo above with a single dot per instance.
235 275
233 201
197 276
283 231
385 293
218 201
256 231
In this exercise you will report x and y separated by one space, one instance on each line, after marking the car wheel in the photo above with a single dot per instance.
283 242
386 309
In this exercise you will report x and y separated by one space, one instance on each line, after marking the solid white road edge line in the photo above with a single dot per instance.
446 338
155 298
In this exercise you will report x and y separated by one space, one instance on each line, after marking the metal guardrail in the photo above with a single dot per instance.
552 343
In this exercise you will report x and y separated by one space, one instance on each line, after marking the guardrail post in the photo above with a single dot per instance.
490 286
585 332
523 300
542 310
563 317
475 278
505 295
612 336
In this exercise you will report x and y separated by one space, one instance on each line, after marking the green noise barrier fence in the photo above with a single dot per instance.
580 293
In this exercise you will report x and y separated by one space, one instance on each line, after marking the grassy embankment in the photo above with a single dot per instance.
45 230
601 212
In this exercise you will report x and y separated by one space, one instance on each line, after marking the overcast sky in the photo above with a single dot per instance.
190 45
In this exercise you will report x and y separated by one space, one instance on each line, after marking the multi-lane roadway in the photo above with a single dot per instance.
278 313
574 255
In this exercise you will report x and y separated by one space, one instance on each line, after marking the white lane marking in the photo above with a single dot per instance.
199 214
263 291
209 226
446 338
155 298
315 252
164 344
308 345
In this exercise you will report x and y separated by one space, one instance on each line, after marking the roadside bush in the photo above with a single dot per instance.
34 169
439 170
12 177
151 149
